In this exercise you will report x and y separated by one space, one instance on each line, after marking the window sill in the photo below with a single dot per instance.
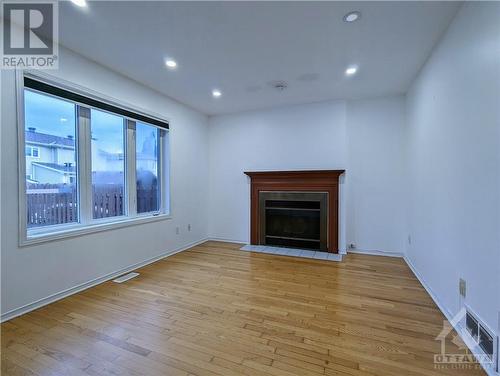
79 230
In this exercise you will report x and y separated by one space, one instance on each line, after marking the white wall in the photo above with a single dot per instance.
35 272
454 163
362 137
290 138
376 199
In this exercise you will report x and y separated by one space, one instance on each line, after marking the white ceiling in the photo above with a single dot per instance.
239 47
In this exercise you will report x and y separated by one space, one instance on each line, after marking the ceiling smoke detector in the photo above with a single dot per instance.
352 16
279 85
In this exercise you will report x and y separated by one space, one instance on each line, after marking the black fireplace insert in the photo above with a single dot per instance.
294 219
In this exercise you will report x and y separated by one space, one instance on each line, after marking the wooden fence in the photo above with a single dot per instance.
53 204
147 199
107 201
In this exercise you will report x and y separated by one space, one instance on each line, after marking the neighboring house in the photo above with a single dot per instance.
146 158
53 173
49 158
147 155
147 161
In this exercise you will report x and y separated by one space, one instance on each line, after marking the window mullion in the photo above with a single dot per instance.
165 171
84 168
130 155
160 170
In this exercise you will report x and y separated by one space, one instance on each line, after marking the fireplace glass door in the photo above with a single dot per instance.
294 219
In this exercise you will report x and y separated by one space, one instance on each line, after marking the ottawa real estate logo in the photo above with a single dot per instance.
455 353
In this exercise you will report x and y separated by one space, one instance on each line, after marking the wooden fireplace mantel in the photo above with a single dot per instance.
303 181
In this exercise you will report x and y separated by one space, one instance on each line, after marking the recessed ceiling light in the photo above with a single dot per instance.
352 16
351 70
170 63
216 93
80 3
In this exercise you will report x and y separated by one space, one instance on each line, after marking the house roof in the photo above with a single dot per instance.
146 157
119 156
111 156
59 168
48 139
144 177
107 177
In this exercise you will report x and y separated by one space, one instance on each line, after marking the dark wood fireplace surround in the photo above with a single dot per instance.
298 181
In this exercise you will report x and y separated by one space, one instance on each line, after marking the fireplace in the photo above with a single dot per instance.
294 219
296 209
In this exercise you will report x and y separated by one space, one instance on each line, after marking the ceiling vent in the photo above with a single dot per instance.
278 85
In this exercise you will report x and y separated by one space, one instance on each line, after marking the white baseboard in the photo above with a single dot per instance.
376 253
462 332
73 290
427 288
225 240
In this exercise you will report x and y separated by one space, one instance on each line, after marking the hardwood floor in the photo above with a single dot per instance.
214 310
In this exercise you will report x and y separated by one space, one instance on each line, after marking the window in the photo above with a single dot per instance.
88 162
147 162
108 164
31 151
51 199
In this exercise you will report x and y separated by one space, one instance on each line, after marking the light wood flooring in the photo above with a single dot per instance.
215 310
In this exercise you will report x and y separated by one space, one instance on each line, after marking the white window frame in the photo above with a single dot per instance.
86 224
161 147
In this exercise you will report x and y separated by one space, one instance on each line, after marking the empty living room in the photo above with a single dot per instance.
259 188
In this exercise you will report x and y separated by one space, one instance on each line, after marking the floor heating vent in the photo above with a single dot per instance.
125 277
483 337
472 325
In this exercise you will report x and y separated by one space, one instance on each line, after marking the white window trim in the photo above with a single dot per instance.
74 230
86 224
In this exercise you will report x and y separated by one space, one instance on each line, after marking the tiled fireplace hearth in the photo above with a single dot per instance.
295 209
